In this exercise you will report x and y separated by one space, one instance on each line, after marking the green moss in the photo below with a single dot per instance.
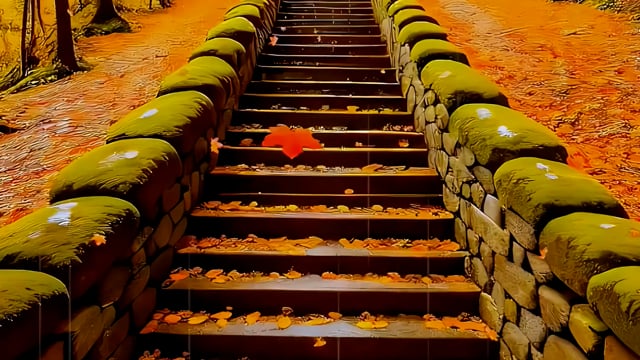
210 75
403 17
137 170
226 49
615 295
425 51
420 30
403 4
58 235
497 134
457 84
238 29
23 290
540 190
581 245
268 9
252 12
179 118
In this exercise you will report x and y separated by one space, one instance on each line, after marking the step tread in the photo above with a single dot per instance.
329 82
328 112
333 149
242 171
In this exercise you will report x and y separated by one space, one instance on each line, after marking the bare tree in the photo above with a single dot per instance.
106 20
65 51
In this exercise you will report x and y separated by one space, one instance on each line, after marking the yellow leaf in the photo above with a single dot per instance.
320 342
284 322
381 324
435 324
252 318
172 319
197 319
371 168
427 280
221 323
99 239
368 325
292 274
222 315
212 274
317 321
335 315
345 243
152 326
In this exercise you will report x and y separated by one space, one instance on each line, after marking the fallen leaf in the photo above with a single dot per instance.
335 315
222 315
371 168
98 239
291 141
320 342
180 275
152 326
435 324
317 321
221 323
212 274
252 318
367 325
328 275
380 324
273 40
292 274
284 322
172 319
197 319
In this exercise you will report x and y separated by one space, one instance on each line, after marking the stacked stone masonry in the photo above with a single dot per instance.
79 277
554 252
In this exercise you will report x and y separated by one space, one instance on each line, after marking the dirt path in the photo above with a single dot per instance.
65 119
572 68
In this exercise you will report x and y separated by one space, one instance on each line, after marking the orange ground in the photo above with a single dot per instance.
570 67
574 69
69 117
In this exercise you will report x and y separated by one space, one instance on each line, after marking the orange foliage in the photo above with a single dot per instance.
291 141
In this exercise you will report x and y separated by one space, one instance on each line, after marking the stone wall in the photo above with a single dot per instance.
553 251
79 277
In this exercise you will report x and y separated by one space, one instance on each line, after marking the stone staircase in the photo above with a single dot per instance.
328 59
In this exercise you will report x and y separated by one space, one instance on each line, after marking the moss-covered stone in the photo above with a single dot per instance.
541 190
226 49
86 233
420 30
587 329
210 75
179 118
136 170
496 134
581 245
425 51
253 12
457 84
405 16
403 4
239 29
269 9
615 295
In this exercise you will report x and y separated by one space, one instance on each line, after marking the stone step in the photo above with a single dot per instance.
324 3
313 294
238 179
331 256
351 120
322 22
424 225
328 49
338 138
271 59
326 10
337 39
328 29
329 73
321 101
349 157
352 200
345 13
405 338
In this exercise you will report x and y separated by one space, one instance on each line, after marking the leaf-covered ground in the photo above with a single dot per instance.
65 119
573 68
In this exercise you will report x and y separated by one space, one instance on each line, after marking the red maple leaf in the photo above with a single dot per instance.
291 141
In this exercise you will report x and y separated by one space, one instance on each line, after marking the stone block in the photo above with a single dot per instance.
517 282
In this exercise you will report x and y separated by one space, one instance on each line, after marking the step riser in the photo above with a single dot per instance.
327 74
320 264
329 4
354 121
328 29
326 184
348 14
321 302
233 156
323 22
326 10
325 88
330 39
338 139
274 199
379 49
249 101
379 61
296 348
332 229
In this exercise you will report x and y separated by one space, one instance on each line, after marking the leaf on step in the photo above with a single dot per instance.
273 40
291 141
221 323
180 275
284 322
157 316
371 168
372 324
152 326
216 145
98 239
222 315
220 279
455 278
367 325
320 342
214 273
292 274
335 315
196 320
380 324
328 275
172 319
317 321
435 324
252 318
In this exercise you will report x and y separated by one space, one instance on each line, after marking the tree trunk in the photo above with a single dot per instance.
65 50
23 39
106 11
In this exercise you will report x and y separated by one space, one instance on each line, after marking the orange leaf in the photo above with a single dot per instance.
327 275
212 274
284 322
292 142
172 319
252 318
320 342
222 315
197 319
435 324
98 239
634 233
221 323
335 315
371 168
180 275
292 274
152 326
317 321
